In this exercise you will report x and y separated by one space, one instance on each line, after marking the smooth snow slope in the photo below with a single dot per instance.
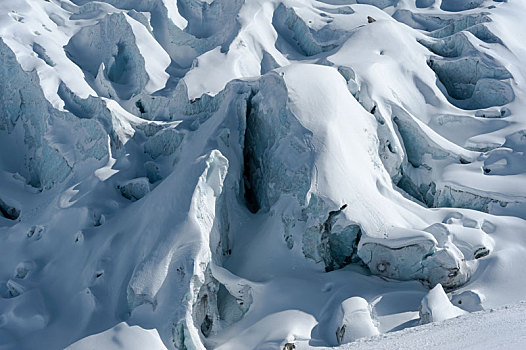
121 336
244 174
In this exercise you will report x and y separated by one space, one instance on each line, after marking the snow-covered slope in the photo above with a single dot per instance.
246 174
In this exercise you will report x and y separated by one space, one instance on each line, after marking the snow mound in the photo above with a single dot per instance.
351 321
121 336
437 307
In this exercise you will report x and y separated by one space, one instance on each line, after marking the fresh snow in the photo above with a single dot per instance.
123 337
502 328
262 174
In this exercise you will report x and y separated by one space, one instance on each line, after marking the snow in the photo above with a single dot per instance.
122 336
226 174
352 321
437 307
501 328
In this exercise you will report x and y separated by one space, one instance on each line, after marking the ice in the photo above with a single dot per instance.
460 5
424 3
135 189
311 41
473 81
152 171
437 307
125 66
417 258
8 211
258 174
164 142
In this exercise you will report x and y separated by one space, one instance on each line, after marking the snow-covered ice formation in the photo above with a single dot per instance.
250 174
437 307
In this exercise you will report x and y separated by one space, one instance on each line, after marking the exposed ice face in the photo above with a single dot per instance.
135 189
8 211
31 123
164 142
460 5
112 51
310 39
430 255
277 160
253 174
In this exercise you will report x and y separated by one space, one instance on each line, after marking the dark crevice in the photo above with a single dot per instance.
206 326
481 252
390 147
206 323
8 211
339 248
333 214
140 106
249 165
119 69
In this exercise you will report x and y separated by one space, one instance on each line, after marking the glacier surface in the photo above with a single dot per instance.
258 174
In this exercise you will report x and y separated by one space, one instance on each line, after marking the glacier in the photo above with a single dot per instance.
258 174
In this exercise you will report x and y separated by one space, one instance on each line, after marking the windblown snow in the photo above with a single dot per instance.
260 174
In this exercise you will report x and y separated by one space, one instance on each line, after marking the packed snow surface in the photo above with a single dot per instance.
262 174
